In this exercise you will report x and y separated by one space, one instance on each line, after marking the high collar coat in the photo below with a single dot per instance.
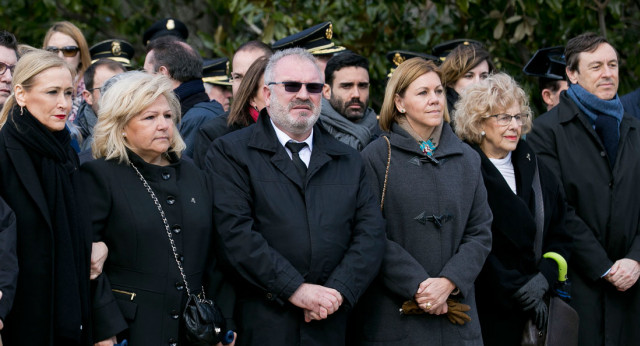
606 221
438 225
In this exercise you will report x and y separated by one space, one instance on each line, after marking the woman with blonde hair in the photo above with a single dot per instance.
66 40
438 222
39 180
152 209
528 212
467 64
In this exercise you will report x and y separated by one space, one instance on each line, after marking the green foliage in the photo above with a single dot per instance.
511 29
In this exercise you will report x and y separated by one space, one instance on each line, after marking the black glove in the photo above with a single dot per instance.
530 295
541 314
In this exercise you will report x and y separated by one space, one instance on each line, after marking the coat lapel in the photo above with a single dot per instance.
27 175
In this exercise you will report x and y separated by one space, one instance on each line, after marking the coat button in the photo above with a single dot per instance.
603 154
176 229
171 200
175 315
270 296
166 175
173 342
611 184
181 258
179 285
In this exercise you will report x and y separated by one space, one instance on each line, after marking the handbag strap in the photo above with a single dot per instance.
166 226
386 173
539 217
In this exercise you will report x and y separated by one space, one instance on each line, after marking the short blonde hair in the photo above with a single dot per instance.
30 65
133 93
74 32
491 96
402 77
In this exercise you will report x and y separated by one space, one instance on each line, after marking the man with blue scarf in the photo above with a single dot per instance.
594 149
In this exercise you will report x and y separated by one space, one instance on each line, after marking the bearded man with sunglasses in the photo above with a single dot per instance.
296 219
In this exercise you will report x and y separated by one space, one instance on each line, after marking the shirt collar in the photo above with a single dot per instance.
283 138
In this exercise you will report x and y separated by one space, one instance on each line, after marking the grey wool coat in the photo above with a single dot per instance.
438 225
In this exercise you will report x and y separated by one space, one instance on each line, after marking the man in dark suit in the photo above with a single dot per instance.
297 220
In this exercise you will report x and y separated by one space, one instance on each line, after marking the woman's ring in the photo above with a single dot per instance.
428 306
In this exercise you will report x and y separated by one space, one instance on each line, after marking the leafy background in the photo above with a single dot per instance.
511 29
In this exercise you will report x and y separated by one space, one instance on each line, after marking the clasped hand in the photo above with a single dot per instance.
624 274
432 295
318 302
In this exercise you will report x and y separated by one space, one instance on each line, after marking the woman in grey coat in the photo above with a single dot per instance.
438 220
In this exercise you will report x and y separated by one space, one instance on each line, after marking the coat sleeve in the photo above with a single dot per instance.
107 318
465 265
589 255
361 262
245 249
399 271
8 258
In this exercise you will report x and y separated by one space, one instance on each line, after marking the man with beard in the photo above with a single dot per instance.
296 219
344 106
591 145
8 60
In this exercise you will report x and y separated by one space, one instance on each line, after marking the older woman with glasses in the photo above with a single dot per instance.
528 210
68 42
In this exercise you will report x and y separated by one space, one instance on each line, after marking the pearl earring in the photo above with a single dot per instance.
483 133
124 134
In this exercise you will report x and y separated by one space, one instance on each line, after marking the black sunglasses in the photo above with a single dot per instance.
294 87
4 67
68 51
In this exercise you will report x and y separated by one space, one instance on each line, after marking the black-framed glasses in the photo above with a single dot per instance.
4 67
68 51
92 89
505 119
294 87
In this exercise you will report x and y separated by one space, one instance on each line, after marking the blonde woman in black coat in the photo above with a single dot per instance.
136 140
493 115
39 180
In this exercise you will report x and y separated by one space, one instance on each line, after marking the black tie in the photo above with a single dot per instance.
607 130
295 157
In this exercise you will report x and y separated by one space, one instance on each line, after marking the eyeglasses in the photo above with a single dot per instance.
294 87
68 51
505 119
4 67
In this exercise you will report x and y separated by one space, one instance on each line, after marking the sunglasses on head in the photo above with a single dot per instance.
294 87
4 67
68 51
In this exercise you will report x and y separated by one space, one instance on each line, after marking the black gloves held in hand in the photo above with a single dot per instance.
530 297
531 293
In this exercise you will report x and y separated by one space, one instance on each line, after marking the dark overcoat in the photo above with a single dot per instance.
512 261
279 231
143 275
438 225
606 222
30 321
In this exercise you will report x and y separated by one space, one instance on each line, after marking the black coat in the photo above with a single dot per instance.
207 133
8 258
140 259
512 262
30 321
280 231
605 225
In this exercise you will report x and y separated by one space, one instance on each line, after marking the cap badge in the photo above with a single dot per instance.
115 48
171 24
226 72
398 59
329 33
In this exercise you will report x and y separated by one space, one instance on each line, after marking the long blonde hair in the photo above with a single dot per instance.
30 65
126 98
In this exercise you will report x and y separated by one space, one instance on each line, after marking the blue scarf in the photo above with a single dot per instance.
593 106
